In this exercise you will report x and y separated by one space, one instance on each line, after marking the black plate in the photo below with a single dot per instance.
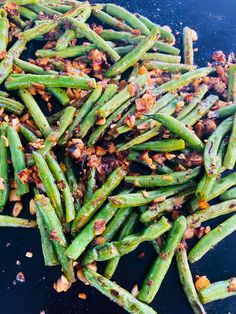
215 22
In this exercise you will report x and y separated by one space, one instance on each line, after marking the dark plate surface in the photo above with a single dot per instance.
215 22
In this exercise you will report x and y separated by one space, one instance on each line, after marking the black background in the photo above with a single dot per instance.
215 22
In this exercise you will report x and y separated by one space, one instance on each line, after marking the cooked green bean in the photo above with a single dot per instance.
232 83
224 112
27 13
11 105
230 156
9 221
39 30
161 146
217 291
4 26
49 184
53 224
206 243
4 168
18 159
186 280
228 194
91 184
126 230
162 263
118 248
188 45
72 181
116 293
35 111
134 56
70 52
161 57
98 198
144 197
169 67
179 129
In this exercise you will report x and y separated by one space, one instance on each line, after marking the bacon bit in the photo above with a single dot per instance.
130 121
194 159
32 207
145 103
145 157
3 54
29 254
170 156
199 129
50 45
200 232
175 214
159 158
135 291
82 296
201 282
99 241
75 148
232 285
13 197
142 70
11 8
145 193
100 151
159 199
202 204
54 235
219 56
132 89
81 277
136 32
2 184
20 277
49 105
189 233
99 226
94 161
62 284
178 202
179 106
188 98
61 185
97 28
101 121
17 209
111 148
24 175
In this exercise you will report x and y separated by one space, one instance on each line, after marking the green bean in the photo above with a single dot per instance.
70 52
144 198
18 21
18 159
230 156
222 185
49 255
123 50
39 8
173 178
188 45
126 16
224 112
134 56
91 184
9 221
60 95
186 280
65 39
199 94
85 30
165 35
27 13
116 293
90 118
7 62
72 181
120 98
212 238
168 67
36 112
32 68
65 190
4 168
127 230
232 83
49 184
162 146
134 73
179 129
53 225
82 112
217 291
86 235
63 8
28 134
101 129
166 206
71 81
52 139
161 57
24 2
98 198
199 111
4 94
4 26
11 105
111 21
128 244
162 263
133 39
228 194
184 80
211 157
38 30
211 212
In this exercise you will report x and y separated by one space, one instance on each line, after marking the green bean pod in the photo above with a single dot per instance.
232 83
230 156
4 26
15 222
188 45
161 146
4 168
168 67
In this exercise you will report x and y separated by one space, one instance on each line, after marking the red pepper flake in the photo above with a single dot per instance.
149 283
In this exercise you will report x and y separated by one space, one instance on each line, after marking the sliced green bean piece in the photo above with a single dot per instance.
69 52
188 45
9 221
224 112
230 156
4 168
4 26
232 83
162 146
91 184
169 67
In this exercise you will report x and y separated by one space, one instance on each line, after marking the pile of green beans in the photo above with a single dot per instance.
116 141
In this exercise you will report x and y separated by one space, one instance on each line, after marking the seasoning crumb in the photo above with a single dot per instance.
18 263
62 284
135 291
29 254
20 277
82 296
